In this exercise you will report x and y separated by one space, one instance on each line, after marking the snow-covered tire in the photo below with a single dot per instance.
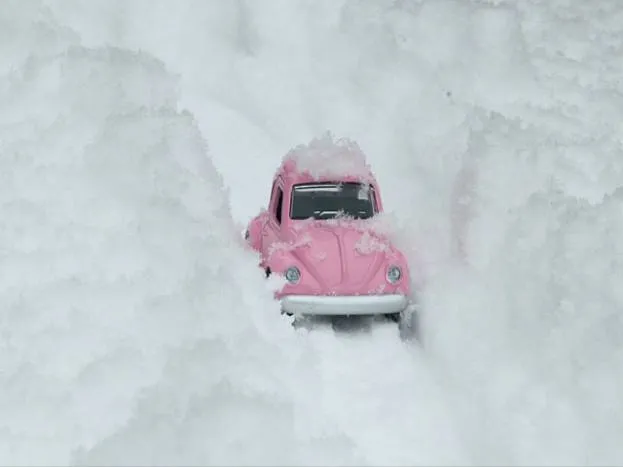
408 324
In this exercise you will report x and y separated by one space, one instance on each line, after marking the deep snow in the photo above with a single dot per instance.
136 139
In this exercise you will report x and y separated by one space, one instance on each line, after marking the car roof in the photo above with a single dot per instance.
326 159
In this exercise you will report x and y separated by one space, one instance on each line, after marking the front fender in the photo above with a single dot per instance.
279 260
282 258
253 233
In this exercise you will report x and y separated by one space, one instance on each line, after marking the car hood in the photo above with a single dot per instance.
340 256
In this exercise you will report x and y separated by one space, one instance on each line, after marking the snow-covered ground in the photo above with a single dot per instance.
138 136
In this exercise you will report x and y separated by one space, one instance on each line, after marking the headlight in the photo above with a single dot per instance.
393 274
293 274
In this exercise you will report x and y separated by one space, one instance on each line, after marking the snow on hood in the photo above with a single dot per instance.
375 236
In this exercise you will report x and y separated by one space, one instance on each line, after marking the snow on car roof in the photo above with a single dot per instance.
327 157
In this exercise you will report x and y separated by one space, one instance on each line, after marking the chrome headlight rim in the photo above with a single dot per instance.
292 275
393 274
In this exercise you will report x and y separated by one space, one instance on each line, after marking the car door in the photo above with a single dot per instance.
272 228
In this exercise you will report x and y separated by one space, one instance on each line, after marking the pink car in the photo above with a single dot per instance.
318 232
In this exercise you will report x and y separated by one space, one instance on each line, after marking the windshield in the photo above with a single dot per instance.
329 200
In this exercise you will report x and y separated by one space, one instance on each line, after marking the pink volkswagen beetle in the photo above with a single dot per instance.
318 233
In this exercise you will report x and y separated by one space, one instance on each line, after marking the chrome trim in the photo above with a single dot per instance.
344 304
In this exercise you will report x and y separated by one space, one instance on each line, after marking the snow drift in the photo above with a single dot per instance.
493 127
116 242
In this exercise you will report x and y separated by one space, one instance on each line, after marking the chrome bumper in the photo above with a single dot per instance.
343 304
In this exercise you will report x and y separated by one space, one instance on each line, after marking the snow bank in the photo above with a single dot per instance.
538 298
521 336
135 328
533 307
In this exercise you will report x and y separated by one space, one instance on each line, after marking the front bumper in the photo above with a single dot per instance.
339 305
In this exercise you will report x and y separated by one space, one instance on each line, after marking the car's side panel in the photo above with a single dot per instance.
254 231
274 220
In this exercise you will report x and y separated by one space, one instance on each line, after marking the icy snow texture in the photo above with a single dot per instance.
135 328
115 241
327 156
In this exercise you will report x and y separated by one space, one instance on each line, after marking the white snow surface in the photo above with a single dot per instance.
137 137
327 156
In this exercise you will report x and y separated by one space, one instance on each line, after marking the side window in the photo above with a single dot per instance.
373 199
279 205
272 191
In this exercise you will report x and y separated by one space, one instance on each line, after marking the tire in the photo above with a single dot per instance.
394 317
